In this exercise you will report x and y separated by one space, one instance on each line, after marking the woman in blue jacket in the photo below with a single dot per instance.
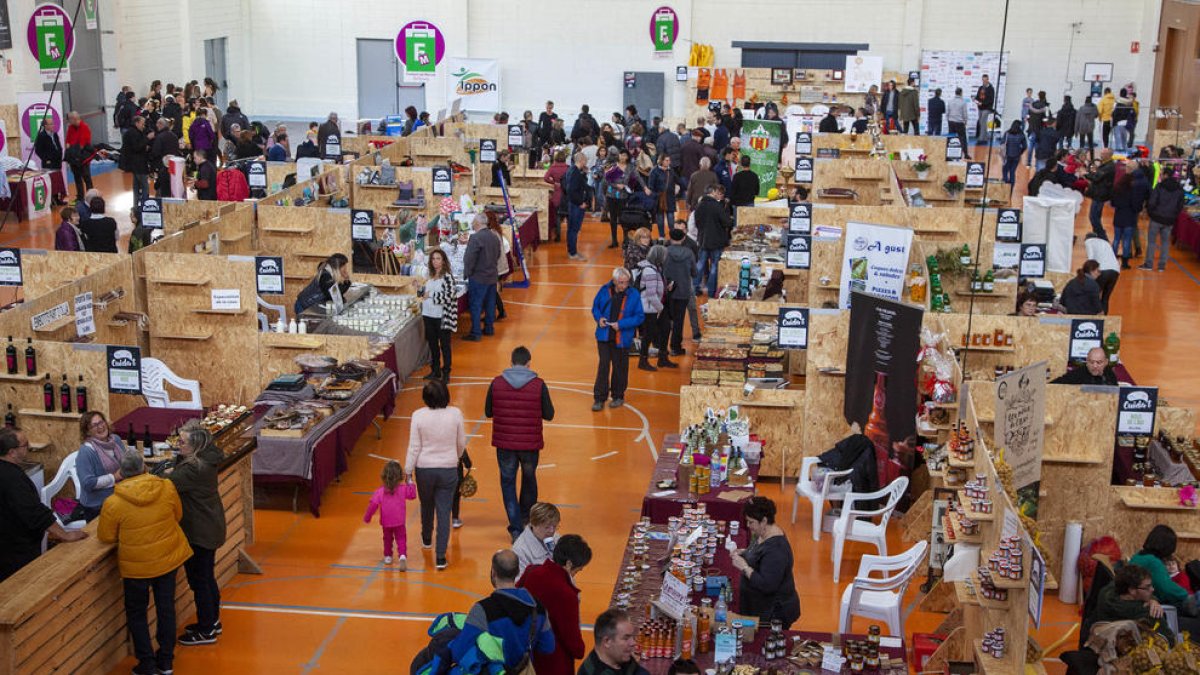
1014 146
617 310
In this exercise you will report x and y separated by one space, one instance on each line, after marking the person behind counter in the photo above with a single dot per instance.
768 590
24 519
439 311
203 523
1095 371
332 274
1081 295
1027 304
98 464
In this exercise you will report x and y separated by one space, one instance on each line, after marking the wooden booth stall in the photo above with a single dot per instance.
303 238
181 213
776 416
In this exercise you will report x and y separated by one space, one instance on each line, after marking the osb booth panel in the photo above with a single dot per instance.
12 141
380 198
867 178
775 416
304 238
43 271
64 612
196 341
178 213
824 423
1002 300
236 231
532 199
277 351
204 237
436 151
795 282
1080 426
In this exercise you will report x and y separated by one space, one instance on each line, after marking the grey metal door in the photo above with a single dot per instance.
85 92
214 67
646 93
380 89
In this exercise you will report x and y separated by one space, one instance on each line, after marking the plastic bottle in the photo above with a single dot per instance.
721 611
292 325
1112 347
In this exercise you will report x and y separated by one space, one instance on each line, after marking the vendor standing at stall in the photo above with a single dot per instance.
98 464
333 277
768 590
1095 370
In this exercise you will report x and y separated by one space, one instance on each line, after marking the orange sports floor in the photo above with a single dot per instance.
325 604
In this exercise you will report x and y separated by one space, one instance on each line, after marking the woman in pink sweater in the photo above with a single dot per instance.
390 500
436 440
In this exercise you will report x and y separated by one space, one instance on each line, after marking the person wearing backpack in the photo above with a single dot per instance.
656 328
1166 203
434 658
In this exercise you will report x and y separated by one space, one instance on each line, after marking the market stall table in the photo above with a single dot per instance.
320 456
20 191
162 422
723 503
1187 232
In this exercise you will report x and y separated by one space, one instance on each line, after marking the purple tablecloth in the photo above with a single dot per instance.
660 509
1187 232
162 421
320 456
58 186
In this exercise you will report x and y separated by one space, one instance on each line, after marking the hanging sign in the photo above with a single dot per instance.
664 29
516 136
762 141
799 251
803 143
85 314
954 149
51 41
268 275
974 175
362 224
333 148
124 369
257 174
800 217
152 213
793 327
1019 428
487 150
1033 260
1135 410
1085 336
804 170
420 46
89 14
874 261
1008 225
31 110
39 322
443 180
681 73
10 267
474 83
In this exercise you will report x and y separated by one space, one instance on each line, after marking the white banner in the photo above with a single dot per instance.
31 109
874 261
863 71
475 81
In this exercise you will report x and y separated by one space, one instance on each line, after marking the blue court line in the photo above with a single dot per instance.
1185 270
315 661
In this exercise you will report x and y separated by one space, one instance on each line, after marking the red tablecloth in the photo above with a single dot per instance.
58 186
1187 232
660 509
530 235
162 421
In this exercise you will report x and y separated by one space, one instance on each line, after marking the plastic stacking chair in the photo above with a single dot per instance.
856 524
827 491
66 471
881 598
154 373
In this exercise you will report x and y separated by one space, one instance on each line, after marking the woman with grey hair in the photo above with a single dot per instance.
203 523
650 281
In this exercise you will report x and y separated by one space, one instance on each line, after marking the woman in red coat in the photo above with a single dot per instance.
554 176
552 584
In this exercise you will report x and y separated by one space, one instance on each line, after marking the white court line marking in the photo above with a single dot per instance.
546 466
386 459
547 424
607 454
477 378
326 612
534 304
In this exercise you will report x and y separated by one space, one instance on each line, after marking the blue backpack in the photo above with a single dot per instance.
435 657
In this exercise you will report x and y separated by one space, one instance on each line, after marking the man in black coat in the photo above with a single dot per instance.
172 111
48 146
985 99
233 115
936 108
546 123
1095 370
714 227
135 158
166 143
585 125
327 130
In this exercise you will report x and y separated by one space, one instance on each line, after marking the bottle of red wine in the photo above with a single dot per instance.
10 357
64 395
48 394
10 420
149 444
30 358
81 399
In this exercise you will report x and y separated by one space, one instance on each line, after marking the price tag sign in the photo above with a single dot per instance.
362 224
487 150
803 143
443 180
256 176
1008 225
954 149
1086 335
804 170
974 175
226 298
516 136
152 213
800 217
793 327
674 596
10 267
1135 410
799 251
124 369
268 277
1033 260
725 647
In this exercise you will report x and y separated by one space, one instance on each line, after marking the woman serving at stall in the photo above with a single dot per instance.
768 590
98 464
330 283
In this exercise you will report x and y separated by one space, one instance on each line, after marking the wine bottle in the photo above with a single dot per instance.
64 395
10 357
81 396
149 444
10 420
877 429
48 394
30 358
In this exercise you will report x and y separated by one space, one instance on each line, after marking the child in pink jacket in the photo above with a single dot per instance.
389 501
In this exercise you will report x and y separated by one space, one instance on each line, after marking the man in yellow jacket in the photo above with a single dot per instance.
142 519
1105 107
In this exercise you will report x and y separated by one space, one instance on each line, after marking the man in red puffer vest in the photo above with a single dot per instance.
517 402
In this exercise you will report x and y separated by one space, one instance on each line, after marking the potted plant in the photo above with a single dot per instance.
953 186
921 167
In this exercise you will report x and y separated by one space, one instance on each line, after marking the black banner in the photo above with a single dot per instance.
10 267
487 150
268 275
152 213
124 369
800 217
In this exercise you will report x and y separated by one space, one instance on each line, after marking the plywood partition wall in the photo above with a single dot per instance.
43 271
436 151
203 237
178 213
380 198
776 416
277 352
304 238
1002 299
869 178
532 199
197 340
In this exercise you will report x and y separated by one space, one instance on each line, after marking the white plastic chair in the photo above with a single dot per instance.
806 487
154 373
851 525
264 321
881 598
66 470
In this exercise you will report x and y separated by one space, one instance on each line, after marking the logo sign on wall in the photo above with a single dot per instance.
974 175
793 327
476 82
487 149
1008 225
420 47
1033 260
152 210
516 136
443 181
124 370
362 224
1085 336
268 274
1135 410
954 149
804 170
89 14
51 41
38 195
800 217
31 110
664 28
803 143
10 267
257 176
799 251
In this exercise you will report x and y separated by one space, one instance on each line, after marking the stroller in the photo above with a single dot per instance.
637 212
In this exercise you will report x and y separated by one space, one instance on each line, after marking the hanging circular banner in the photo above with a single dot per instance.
420 46
664 28
50 37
